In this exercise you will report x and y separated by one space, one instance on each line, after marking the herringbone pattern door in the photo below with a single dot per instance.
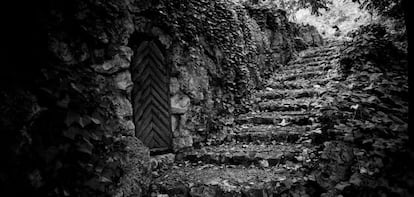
151 99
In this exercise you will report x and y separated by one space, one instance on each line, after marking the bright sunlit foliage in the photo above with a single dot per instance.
344 14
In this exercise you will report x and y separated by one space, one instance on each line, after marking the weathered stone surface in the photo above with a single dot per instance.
127 127
180 103
174 124
268 134
123 81
174 86
112 66
137 169
246 155
122 106
299 93
271 118
209 180
161 161
182 142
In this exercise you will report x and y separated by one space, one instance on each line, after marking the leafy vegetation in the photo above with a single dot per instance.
346 15
292 6
391 8
369 111
371 44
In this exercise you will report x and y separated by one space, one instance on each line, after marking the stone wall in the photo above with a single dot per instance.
72 111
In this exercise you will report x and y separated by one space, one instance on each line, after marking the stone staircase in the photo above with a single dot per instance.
273 150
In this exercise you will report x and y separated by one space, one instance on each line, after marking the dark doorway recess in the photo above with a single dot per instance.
150 95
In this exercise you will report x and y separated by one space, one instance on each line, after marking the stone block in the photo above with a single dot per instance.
123 81
136 168
184 132
127 127
188 140
178 143
112 66
174 125
180 103
123 107
178 111
182 142
174 86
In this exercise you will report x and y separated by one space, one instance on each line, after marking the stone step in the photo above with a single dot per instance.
313 66
268 134
318 48
212 180
320 53
334 44
264 155
328 55
280 118
329 46
291 104
302 75
303 83
307 60
271 93
306 65
299 84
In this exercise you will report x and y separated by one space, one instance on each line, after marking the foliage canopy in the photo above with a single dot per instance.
391 8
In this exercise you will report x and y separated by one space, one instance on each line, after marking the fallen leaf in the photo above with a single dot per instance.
264 163
355 107
284 123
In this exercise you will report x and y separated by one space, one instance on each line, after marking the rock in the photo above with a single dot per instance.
184 132
122 106
123 81
182 142
180 104
136 169
165 159
174 86
174 124
125 52
264 163
204 191
178 110
116 64
126 127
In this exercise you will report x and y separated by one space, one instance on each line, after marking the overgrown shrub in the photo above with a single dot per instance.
371 43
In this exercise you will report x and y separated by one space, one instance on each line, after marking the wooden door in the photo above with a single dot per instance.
150 95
